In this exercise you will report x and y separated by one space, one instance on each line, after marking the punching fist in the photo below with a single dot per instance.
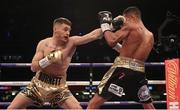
105 18
53 57
117 22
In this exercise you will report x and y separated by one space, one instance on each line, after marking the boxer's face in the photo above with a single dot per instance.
62 31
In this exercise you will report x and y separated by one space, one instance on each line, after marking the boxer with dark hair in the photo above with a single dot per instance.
127 74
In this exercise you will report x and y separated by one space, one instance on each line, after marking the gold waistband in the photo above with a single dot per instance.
48 79
129 63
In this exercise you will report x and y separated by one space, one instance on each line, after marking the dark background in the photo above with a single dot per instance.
25 22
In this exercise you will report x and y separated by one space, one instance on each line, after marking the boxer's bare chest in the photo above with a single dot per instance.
50 48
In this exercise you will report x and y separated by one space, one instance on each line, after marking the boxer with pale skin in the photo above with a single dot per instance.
50 62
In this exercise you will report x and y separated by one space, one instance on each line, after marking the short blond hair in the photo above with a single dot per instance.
62 20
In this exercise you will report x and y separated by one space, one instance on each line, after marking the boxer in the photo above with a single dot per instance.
127 74
50 62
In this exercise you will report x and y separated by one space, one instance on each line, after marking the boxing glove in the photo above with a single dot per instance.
53 57
105 18
117 22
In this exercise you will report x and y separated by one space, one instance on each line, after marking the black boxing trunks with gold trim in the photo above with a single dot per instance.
45 88
126 79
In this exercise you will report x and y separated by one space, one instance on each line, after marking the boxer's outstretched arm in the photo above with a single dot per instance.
93 35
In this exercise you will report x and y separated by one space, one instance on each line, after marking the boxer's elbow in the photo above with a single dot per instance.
35 67
111 43
110 39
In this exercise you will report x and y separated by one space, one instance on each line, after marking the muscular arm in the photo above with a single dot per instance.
93 35
38 56
112 38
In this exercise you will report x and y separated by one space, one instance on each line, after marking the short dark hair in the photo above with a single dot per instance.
133 10
62 20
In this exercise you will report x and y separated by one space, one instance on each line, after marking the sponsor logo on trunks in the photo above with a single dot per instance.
115 89
133 65
143 93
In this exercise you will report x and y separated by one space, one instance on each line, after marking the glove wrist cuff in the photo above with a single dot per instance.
117 47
